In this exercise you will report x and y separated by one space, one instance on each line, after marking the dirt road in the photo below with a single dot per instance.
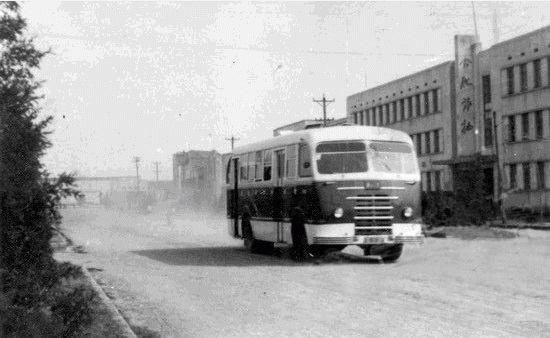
189 279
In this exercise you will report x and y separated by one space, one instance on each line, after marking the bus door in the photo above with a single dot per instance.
235 197
278 195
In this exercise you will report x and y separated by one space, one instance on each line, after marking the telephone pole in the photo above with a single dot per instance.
232 139
324 103
136 161
157 169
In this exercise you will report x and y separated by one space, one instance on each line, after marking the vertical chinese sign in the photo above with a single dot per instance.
465 92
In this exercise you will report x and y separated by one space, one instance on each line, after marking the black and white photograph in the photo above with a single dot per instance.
274 169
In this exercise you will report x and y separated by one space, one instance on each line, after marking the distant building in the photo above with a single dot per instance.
449 111
198 178
94 188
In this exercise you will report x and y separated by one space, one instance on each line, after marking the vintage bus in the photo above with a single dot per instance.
320 190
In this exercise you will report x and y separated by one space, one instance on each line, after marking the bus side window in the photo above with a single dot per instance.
259 174
267 165
251 167
244 168
304 163
291 161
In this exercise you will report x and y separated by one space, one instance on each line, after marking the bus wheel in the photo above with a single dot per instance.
388 252
250 243
300 248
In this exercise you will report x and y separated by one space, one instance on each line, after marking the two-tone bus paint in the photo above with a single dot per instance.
324 189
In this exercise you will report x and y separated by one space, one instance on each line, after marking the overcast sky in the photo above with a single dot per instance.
151 79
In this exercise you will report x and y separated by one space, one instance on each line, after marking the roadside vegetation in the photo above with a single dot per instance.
39 297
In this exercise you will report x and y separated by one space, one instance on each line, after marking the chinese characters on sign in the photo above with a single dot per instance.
465 58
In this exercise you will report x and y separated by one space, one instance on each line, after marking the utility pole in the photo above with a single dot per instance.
136 161
232 139
324 103
157 169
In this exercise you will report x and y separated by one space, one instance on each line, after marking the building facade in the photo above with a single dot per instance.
198 178
489 105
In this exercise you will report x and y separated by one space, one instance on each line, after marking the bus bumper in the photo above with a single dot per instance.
344 234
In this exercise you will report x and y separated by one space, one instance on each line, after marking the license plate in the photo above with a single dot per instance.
373 240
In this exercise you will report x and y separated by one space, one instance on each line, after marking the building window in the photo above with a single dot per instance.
525 126
367 117
361 122
510 79
488 131
417 104
526 176
436 141
380 116
511 129
355 118
486 85
410 106
523 77
435 100
419 144
538 124
540 175
428 181
387 113
428 142
374 122
536 73
437 186
426 103
402 107
394 108
513 174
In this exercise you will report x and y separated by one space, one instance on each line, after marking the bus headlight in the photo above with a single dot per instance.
407 212
339 212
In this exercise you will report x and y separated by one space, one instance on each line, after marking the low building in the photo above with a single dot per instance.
198 178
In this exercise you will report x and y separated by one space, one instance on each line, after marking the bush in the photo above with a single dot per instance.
30 279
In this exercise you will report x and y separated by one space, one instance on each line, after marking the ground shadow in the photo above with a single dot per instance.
235 256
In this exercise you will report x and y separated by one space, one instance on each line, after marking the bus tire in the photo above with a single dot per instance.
388 252
250 243
300 248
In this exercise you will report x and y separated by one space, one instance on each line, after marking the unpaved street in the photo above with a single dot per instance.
189 279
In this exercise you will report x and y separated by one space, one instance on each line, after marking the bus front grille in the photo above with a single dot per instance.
373 214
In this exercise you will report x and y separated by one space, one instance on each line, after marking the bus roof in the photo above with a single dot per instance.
327 134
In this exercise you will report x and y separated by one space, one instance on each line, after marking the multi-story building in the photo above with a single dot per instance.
489 104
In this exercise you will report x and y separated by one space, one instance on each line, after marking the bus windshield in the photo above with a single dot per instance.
341 157
351 157
392 157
